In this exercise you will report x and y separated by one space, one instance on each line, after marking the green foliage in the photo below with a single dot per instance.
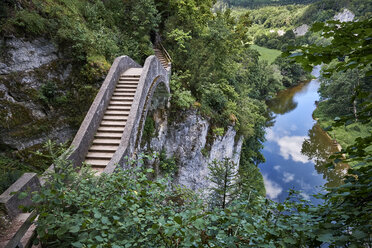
167 165
292 73
48 92
350 45
338 89
148 129
218 131
128 209
11 170
261 3
345 135
223 176
29 22
181 98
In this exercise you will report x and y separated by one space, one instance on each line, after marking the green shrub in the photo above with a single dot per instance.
219 131
10 171
30 22
167 165
181 98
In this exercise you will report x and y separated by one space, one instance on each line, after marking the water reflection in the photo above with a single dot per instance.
284 102
296 149
318 147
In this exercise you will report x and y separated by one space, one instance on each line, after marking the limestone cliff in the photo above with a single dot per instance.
27 120
189 141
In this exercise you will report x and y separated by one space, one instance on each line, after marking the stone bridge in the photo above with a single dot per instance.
112 128
110 133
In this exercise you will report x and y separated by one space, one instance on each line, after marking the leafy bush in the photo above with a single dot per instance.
167 165
219 131
29 22
181 98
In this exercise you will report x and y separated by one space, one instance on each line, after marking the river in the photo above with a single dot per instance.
296 148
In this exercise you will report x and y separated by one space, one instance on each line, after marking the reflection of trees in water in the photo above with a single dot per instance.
282 105
283 102
318 148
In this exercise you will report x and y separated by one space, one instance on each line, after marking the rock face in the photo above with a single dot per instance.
26 55
301 30
344 16
25 120
186 142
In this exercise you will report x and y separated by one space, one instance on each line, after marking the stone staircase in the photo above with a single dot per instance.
107 138
159 54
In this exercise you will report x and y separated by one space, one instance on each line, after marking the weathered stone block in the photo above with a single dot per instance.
10 201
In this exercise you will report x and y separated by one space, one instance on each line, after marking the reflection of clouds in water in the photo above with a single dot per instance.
305 196
273 189
293 127
303 185
290 146
277 167
288 177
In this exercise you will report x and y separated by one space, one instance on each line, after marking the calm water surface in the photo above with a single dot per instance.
296 149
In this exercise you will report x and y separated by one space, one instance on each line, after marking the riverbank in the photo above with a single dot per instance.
344 135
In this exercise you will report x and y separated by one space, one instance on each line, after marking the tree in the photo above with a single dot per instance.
337 90
223 176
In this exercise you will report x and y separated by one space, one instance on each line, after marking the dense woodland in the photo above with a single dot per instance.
216 72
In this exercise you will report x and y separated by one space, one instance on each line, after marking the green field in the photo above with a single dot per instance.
267 54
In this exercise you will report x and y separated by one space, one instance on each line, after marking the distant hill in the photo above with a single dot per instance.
260 3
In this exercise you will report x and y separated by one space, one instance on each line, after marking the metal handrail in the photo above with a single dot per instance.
165 52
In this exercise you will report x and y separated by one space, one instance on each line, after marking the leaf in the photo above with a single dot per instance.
74 229
22 195
325 237
77 244
178 219
99 238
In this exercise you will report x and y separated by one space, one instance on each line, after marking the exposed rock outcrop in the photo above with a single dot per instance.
344 16
25 66
188 143
301 30
22 55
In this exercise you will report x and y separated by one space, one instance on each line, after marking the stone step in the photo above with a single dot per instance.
114 118
110 135
99 155
106 141
20 231
130 75
128 80
97 162
120 90
122 86
110 129
132 71
123 108
121 98
103 148
121 103
105 123
127 94
117 112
